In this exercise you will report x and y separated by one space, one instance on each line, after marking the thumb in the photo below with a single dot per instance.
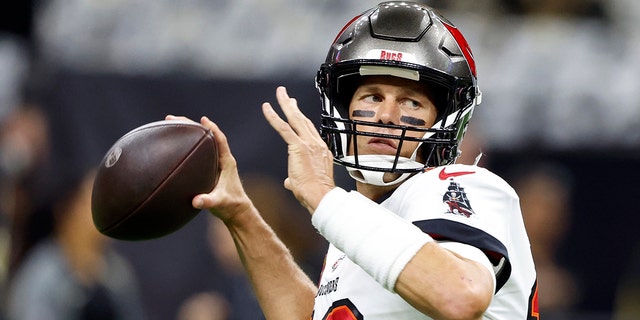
202 201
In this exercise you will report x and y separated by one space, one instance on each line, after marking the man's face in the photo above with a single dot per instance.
390 100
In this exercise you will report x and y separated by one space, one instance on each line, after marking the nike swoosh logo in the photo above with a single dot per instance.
446 175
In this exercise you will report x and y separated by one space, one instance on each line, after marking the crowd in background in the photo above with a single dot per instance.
555 75
540 63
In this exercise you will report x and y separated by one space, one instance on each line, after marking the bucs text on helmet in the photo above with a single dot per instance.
408 40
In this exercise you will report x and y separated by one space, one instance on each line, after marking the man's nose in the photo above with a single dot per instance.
388 112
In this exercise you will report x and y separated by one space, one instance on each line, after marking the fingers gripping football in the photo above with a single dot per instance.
228 198
310 167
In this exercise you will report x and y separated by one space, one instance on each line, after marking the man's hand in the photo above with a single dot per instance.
310 161
228 198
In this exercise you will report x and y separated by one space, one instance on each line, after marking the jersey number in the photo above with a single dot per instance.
343 310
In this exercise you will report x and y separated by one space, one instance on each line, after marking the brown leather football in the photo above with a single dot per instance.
147 180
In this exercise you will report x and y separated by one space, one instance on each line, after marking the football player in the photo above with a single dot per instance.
420 237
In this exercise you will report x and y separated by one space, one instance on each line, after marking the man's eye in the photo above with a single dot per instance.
372 98
411 104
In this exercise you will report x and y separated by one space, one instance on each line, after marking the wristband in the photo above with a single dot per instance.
376 239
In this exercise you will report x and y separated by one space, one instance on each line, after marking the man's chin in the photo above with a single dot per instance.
389 176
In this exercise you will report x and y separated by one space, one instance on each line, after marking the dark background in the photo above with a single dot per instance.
90 112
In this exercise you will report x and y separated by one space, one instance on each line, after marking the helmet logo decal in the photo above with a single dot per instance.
384 54
456 199
464 46
388 55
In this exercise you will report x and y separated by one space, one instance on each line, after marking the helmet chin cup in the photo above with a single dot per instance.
384 164
375 178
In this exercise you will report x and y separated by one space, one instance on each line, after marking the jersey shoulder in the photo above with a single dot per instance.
471 175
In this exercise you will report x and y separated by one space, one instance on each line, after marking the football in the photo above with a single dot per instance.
145 183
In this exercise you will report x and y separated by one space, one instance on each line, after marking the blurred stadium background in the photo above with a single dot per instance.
559 82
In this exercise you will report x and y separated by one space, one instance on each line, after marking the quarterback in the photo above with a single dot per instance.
421 237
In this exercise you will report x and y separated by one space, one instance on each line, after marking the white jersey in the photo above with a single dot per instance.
459 203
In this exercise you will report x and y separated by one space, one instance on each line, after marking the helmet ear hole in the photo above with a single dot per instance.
466 95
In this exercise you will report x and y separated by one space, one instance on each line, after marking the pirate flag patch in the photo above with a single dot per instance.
457 200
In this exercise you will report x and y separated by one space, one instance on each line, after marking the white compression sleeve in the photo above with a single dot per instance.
376 239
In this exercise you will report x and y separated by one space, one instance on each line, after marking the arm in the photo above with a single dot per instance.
443 281
446 285
282 288
434 280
